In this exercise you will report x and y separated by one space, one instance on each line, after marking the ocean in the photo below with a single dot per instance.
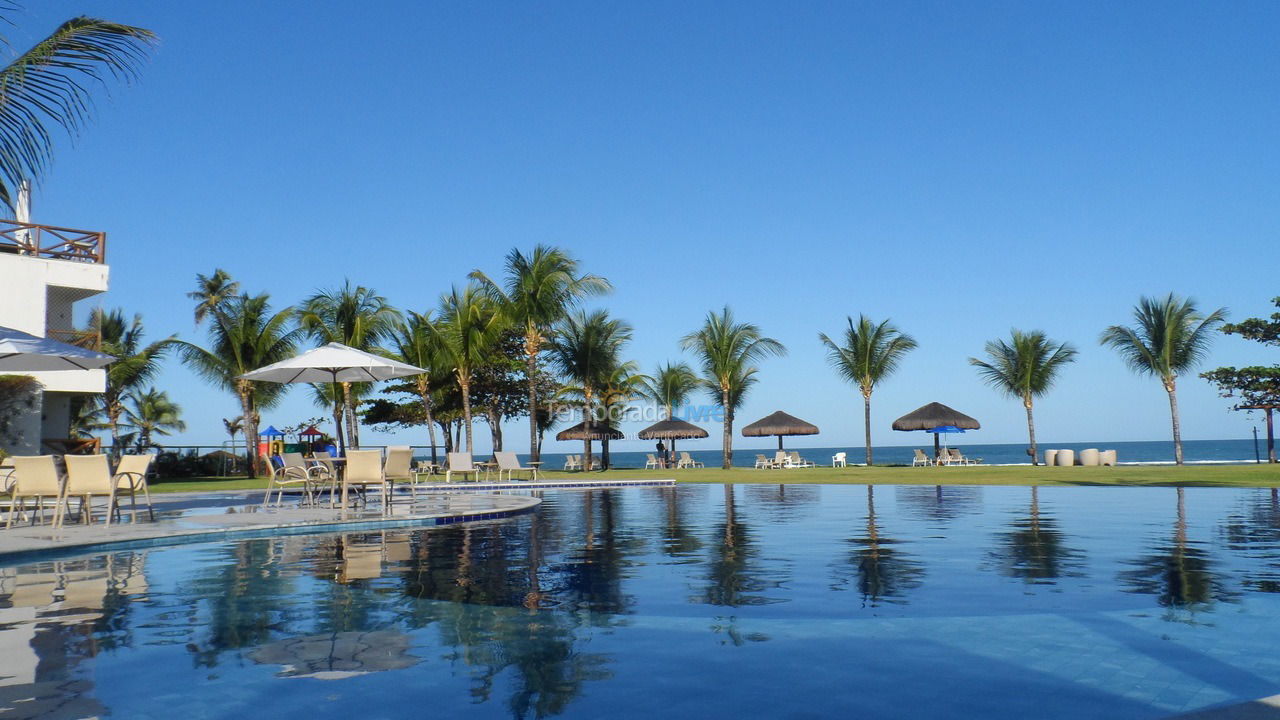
1150 452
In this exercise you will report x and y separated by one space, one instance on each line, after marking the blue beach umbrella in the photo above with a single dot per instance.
944 430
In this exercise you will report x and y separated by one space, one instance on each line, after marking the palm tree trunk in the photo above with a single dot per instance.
727 461
337 421
866 422
530 373
586 433
604 453
494 418
245 391
1271 438
1031 431
353 436
1171 387
465 384
424 389
113 419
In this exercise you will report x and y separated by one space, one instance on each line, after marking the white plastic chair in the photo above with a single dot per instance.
840 459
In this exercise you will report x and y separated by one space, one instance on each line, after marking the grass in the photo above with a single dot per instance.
1136 475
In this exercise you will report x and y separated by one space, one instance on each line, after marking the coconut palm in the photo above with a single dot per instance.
417 341
869 353
211 291
538 291
469 325
150 412
586 349
1024 368
670 387
622 385
355 316
234 426
1169 338
50 85
728 351
136 364
245 335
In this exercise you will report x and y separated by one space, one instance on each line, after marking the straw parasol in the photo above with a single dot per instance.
779 423
599 431
672 429
933 418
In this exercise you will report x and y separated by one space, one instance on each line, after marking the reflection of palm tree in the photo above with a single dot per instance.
732 580
679 541
883 572
1255 535
1177 574
1033 550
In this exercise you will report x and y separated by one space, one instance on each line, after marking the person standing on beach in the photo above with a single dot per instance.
662 454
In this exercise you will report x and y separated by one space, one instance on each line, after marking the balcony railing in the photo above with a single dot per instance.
48 241
87 339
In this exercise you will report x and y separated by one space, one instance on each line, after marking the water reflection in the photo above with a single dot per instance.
535 616
883 572
1034 549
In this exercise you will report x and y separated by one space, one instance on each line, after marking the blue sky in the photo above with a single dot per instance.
960 168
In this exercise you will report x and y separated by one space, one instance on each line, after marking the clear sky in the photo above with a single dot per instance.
962 168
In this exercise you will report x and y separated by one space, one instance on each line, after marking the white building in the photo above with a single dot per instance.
44 271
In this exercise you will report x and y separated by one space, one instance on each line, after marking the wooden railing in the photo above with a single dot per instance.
87 339
48 241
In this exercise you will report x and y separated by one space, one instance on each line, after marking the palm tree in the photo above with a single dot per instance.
211 291
586 349
622 385
245 335
357 317
470 325
670 387
49 84
869 354
728 351
417 341
1025 369
1170 337
540 290
151 412
135 365
234 426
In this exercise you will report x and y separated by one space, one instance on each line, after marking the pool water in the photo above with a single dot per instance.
693 601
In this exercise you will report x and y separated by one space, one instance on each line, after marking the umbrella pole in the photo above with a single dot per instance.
937 452
779 442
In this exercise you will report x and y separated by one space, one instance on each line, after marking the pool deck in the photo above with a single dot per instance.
213 516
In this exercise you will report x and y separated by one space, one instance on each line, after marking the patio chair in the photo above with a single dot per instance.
572 462
840 459
131 475
780 459
284 476
921 459
87 476
955 457
794 460
687 461
323 471
461 463
364 471
763 463
510 464
651 462
399 468
34 477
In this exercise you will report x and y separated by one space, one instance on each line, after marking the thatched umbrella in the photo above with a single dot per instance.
672 429
599 431
779 424
933 417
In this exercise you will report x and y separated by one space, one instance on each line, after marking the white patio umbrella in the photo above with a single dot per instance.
333 363
23 352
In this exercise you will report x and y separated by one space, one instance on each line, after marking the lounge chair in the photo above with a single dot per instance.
323 472
840 459
399 468
794 460
460 463
364 471
651 462
955 457
87 476
572 462
285 475
508 463
687 461
34 477
763 463
131 475
921 459
780 459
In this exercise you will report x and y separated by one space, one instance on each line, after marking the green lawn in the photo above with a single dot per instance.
1197 475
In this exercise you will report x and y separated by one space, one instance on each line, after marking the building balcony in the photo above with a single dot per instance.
52 243
87 339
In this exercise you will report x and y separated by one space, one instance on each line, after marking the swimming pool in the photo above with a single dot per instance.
698 600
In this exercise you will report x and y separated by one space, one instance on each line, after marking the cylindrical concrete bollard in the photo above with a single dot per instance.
1090 456
1050 457
1108 457
1066 458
